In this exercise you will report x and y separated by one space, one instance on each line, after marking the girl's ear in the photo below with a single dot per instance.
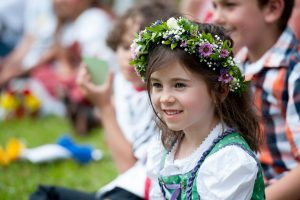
225 92
220 94
273 10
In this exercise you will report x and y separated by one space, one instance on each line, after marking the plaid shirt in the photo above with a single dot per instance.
276 86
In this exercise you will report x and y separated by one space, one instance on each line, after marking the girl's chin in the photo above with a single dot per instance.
173 128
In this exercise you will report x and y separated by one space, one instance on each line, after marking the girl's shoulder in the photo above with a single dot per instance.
230 158
219 175
232 139
231 151
231 154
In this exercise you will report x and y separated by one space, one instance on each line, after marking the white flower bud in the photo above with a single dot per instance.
172 23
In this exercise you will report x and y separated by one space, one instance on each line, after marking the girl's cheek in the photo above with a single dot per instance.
155 101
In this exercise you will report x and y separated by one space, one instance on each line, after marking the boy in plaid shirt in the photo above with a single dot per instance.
271 61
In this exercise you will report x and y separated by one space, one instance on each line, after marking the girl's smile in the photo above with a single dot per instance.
172 115
172 112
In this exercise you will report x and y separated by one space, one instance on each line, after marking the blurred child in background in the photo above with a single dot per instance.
125 112
75 38
271 61
39 27
197 9
60 34
12 14
295 19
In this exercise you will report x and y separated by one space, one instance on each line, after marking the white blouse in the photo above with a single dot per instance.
229 173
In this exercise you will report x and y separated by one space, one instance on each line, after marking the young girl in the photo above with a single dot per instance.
208 128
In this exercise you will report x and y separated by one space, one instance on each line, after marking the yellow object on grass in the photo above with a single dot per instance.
12 151
3 157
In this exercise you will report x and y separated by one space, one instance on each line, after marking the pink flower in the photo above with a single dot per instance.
225 77
205 49
183 44
224 53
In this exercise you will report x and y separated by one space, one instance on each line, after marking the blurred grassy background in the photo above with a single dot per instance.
20 178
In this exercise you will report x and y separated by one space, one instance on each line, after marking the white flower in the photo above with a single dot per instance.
135 50
172 23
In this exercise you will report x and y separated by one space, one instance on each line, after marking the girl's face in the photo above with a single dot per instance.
124 53
244 20
181 98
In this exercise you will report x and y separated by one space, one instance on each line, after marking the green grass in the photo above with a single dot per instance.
19 179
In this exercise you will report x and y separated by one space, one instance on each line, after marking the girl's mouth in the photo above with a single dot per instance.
172 112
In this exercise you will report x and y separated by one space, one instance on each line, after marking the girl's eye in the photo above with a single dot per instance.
214 5
225 4
156 85
229 4
179 85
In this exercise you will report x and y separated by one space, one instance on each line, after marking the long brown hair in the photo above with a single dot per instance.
234 109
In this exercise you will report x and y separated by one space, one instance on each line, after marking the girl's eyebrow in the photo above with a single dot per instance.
180 79
219 1
154 79
173 79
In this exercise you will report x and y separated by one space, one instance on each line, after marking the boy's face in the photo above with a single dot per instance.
244 20
124 53
295 19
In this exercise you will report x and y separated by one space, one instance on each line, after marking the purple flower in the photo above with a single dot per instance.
157 22
134 50
205 49
224 53
141 35
225 77
183 44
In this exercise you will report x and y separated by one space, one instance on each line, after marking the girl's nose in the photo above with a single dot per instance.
167 97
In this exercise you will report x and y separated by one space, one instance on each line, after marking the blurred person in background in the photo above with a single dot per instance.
60 33
39 27
39 23
121 6
197 9
11 25
294 21
125 113
82 28
271 61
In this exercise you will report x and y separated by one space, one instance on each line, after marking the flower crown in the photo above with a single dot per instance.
182 33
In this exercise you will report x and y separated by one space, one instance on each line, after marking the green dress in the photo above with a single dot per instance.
183 186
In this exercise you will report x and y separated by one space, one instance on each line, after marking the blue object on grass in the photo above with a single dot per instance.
81 153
